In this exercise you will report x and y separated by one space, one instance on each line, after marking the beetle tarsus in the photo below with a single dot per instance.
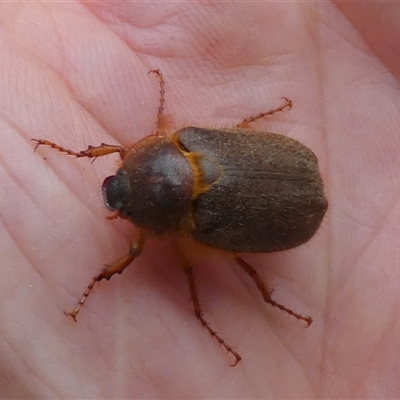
267 294
247 121
162 90
163 122
199 314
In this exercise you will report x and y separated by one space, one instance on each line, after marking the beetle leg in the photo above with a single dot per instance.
91 152
162 90
108 271
265 293
245 123
163 121
198 312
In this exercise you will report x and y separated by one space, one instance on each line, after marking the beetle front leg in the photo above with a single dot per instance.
108 271
266 294
245 123
91 152
198 312
163 121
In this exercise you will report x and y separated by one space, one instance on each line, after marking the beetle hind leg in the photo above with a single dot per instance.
199 314
247 121
266 294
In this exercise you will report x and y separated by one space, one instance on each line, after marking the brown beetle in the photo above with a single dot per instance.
234 189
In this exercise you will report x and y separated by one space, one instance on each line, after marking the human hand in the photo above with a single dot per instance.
75 73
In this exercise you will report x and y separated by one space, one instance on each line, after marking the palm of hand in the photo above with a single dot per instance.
138 331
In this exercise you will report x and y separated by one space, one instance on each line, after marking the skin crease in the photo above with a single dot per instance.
75 73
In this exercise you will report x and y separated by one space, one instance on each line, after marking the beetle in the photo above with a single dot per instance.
239 190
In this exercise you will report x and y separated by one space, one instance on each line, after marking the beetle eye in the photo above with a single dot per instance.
115 190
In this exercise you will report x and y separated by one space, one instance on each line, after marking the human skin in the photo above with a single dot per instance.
76 74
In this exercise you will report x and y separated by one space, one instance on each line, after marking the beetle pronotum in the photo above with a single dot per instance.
237 189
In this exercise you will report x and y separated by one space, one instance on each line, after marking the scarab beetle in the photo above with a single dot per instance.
237 189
